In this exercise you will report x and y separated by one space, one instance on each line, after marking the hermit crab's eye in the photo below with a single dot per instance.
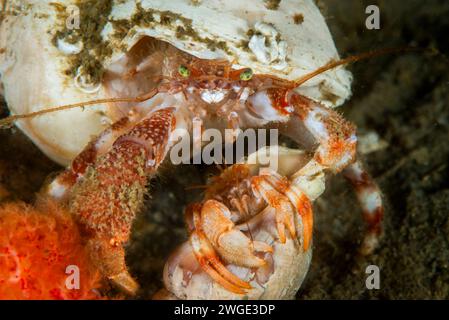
184 71
246 75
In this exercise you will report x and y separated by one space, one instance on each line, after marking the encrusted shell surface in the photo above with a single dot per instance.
33 73
245 32
42 65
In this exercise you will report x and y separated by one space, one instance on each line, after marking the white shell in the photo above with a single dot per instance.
32 71
250 35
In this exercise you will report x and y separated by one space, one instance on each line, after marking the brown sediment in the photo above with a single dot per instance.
8 9
95 49
195 2
272 4
146 18
93 18
298 18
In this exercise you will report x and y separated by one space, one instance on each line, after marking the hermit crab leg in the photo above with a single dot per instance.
297 198
231 244
335 136
208 258
212 265
308 123
107 198
370 199
287 200
304 118
337 150
284 210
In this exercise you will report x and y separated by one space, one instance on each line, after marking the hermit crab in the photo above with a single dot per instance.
109 97
236 225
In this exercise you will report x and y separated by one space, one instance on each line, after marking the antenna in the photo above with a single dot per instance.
351 59
6 122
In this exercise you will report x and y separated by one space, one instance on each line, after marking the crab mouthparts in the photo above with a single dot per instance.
212 96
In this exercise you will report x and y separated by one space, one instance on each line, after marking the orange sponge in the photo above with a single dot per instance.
42 255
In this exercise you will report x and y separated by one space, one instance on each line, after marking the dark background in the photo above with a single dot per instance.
404 98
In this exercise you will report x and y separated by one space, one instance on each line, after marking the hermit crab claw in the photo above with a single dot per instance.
214 233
